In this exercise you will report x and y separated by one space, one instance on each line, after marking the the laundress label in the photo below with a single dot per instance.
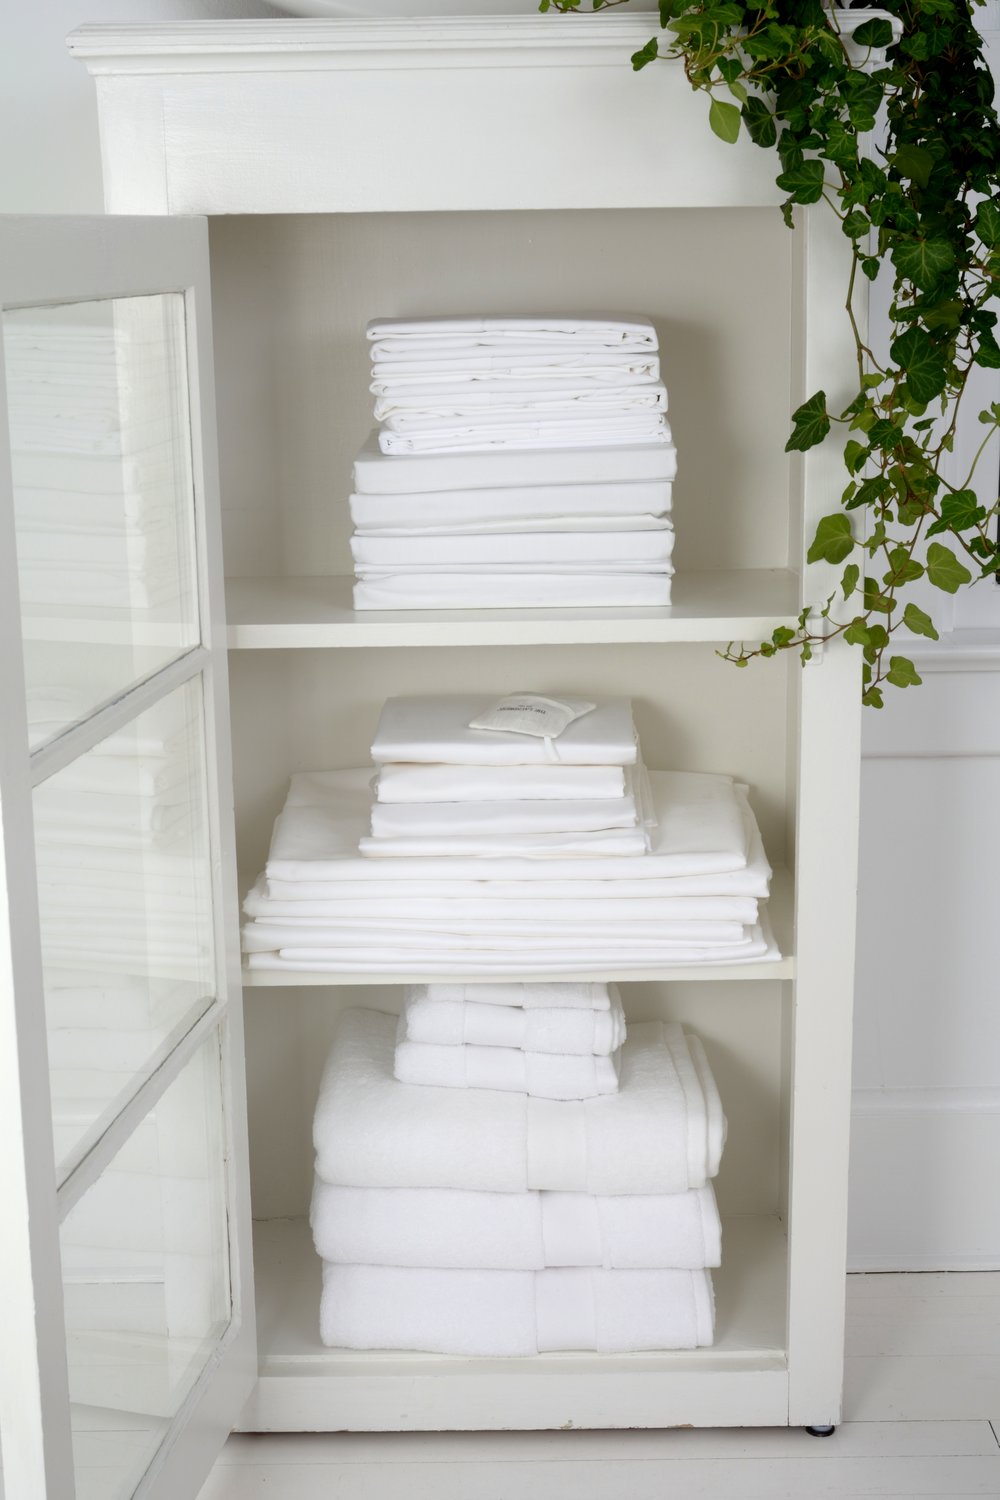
530 713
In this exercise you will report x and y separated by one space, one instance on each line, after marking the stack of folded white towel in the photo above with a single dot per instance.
520 462
417 871
491 1221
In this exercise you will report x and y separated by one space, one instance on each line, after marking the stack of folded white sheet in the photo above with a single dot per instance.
520 462
446 901
489 1222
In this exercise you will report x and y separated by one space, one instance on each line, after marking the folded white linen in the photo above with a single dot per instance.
533 815
561 1029
521 525
572 996
406 783
376 473
527 431
614 332
538 1075
622 842
513 366
434 730
498 1314
417 591
408 902
548 507
599 944
557 547
701 830
524 573
443 1228
451 406
663 1132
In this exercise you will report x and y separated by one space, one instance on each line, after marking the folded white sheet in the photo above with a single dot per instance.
599 943
392 820
631 332
561 1029
442 1228
540 1075
528 432
620 842
663 1132
434 730
598 549
514 366
548 507
416 591
443 406
407 784
495 1314
376 473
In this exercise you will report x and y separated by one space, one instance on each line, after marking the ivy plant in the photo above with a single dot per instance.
923 202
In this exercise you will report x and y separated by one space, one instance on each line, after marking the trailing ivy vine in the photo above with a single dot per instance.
925 201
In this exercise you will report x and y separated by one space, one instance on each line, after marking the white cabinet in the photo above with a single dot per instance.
350 169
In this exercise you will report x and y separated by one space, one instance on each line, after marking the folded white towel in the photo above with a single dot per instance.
662 1132
526 996
449 1228
529 432
434 729
560 1029
492 1314
540 1075
446 406
375 473
550 507
416 783
598 549
403 591
631 332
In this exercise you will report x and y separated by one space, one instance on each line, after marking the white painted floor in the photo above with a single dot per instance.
922 1418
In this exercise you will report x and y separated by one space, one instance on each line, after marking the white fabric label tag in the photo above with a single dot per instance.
529 713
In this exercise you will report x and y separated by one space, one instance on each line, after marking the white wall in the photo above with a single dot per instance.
927 1060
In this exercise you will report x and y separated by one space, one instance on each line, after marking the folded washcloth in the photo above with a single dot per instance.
415 783
596 549
662 1132
434 729
449 1228
540 1075
491 1314
560 1029
402 591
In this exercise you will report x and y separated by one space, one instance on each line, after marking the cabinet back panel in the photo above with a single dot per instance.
292 295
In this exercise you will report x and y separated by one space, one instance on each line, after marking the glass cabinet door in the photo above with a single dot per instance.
131 1346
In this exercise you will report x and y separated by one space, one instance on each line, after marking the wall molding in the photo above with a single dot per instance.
910 1101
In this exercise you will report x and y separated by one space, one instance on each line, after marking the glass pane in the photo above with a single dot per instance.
125 904
145 1264
97 396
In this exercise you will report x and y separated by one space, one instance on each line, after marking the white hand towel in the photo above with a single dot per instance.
403 591
526 996
542 1075
662 1132
450 1228
551 507
435 730
560 1030
600 548
375 473
630 332
415 783
531 432
493 1314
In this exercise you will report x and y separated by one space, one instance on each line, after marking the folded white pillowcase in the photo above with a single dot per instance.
559 1029
542 1075
452 1228
497 1314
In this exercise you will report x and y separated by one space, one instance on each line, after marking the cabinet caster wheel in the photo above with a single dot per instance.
821 1431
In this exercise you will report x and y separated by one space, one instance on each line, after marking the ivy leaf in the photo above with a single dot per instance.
944 569
857 633
804 182
724 120
902 569
759 122
875 33
918 623
645 55
856 224
902 673
872 698
988 224
987 352
922 363
811 424
914 162
876 600
958 512
924 262
833 540
849 582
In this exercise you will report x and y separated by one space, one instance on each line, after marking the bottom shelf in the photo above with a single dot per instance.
303 1387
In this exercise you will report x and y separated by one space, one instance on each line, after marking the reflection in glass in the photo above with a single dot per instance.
125 905
145 1266
97 396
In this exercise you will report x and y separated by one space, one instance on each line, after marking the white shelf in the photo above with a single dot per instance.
305 1387
290 613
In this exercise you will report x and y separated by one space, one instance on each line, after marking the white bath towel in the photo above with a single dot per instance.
496 406
416 591
541 1075
663 1132
529 432
562 1030
434 729
550 507
598 549
415 783
476 331
376 473
526 996
449 1228
492 1314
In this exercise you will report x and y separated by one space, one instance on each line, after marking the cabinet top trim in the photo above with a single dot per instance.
239 46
